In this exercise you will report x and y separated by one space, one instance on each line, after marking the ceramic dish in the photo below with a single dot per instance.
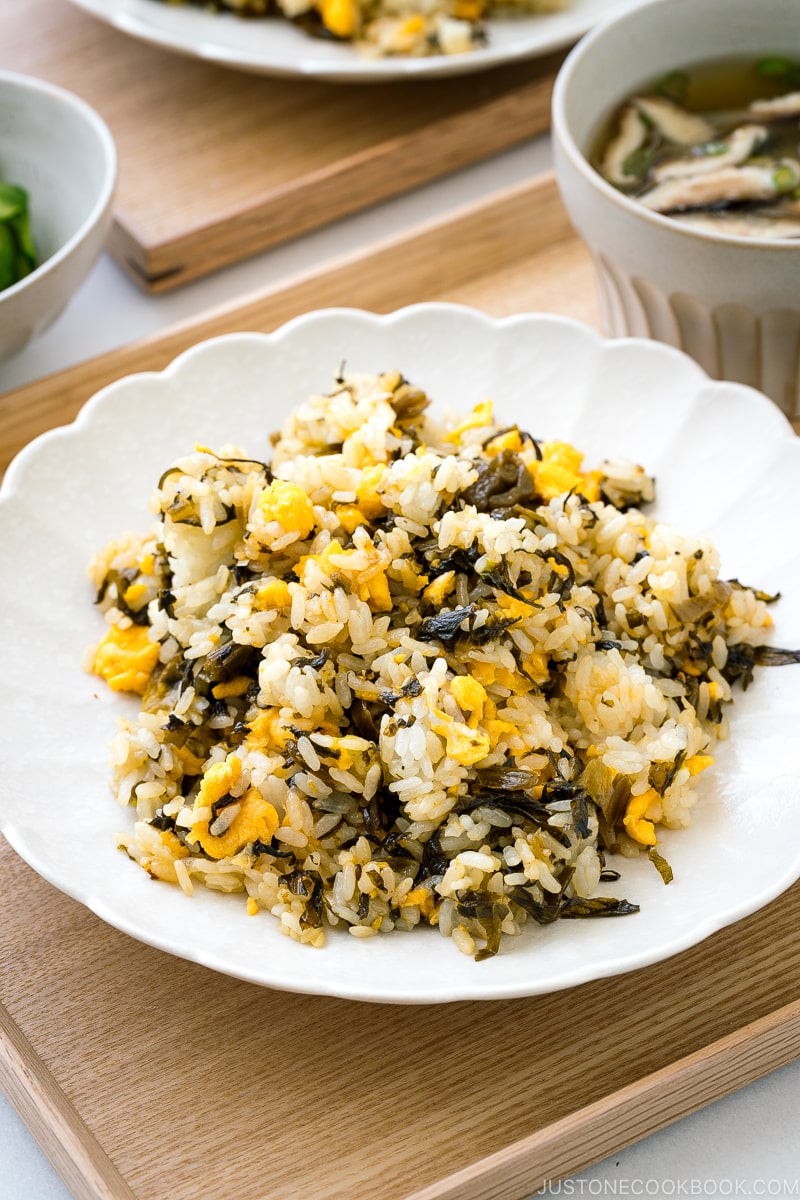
729 301
276 47
65 495
59 150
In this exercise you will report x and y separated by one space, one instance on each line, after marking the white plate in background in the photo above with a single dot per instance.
274 46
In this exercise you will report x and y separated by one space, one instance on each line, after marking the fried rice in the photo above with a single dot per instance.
413 671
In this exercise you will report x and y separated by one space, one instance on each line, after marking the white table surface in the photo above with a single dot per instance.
745 1145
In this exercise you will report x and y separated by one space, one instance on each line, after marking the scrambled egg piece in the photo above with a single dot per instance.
470 696
537 667
514 608
135 592
231 687
423 898
322 560
481 416
559 471
467 746
266 731
126 658
285 504
349 517
375 592
504 441
218 780
367 582
191 763
369 503
469 10
273 594
437 592
174 844
412 26
489 673
636 824
256 820
348 748
339 16
698 763
484 672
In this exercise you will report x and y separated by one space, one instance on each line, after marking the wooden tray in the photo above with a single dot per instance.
216 164
143 1076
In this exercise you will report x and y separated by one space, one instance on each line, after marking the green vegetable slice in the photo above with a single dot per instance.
17 251
8 257
13 201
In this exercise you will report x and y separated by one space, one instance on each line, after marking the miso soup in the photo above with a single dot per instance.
715 146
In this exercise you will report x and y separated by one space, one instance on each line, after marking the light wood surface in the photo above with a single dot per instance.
142 1075
77 1156
216 164
179 1074
613 1122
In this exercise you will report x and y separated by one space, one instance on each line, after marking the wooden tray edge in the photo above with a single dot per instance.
369 177
566 1146
628 1115
53 1121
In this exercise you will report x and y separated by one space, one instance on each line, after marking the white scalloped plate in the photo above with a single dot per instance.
276 47
727 464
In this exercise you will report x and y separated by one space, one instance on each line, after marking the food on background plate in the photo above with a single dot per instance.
17 251
715 147
392 27
414 672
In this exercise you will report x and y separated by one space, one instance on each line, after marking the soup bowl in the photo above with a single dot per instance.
731 302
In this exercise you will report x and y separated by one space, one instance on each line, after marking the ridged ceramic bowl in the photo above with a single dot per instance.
731 302
74 488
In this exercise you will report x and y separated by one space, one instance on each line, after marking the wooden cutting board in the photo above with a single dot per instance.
216 164
143 1076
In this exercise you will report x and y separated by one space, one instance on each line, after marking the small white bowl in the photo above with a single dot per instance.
731 302
58 149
